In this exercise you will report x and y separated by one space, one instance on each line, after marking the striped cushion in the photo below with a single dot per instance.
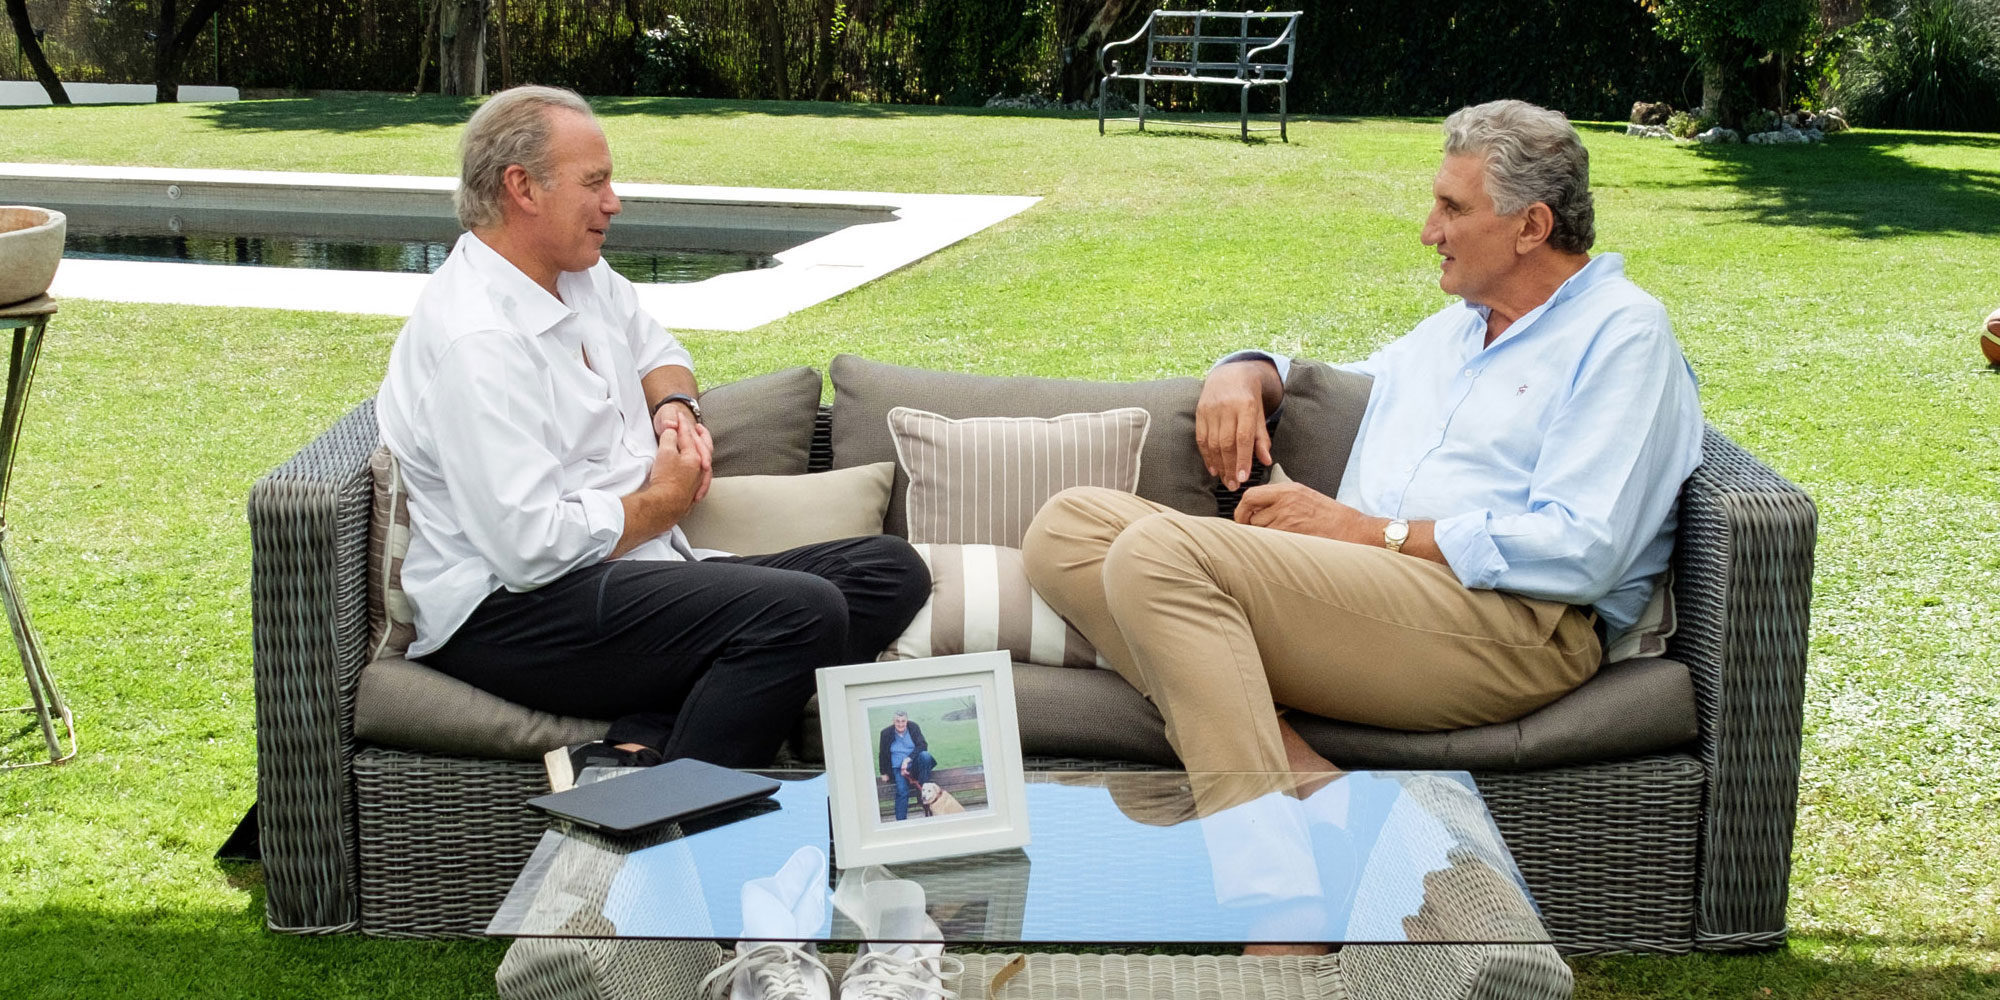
980 602
392 625
981 480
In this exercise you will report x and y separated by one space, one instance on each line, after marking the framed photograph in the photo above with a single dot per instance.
923 758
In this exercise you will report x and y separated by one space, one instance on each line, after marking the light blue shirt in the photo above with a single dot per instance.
1550 460
901 746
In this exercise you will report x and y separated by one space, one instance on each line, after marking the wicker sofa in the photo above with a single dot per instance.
1651 810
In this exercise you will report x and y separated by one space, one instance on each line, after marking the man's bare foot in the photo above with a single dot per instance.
1313 771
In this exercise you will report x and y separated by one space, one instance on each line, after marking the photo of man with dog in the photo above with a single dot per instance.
928 753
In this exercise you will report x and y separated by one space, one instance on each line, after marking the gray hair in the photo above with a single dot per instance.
513 127
1532 155
900 714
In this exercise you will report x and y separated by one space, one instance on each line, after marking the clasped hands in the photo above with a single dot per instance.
1229 430
686 452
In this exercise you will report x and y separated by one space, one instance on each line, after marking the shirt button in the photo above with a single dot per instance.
1468 373
1440 425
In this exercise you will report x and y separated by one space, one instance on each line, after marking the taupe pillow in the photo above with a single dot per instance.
981 480
392 623
981 601
763 426
752 515
865 391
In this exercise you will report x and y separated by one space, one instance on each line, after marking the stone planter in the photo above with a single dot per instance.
31 245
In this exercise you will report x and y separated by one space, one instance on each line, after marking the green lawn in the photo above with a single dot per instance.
1826 295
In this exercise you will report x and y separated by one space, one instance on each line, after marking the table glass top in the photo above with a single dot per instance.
1115 857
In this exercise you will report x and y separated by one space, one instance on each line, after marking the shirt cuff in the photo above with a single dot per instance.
1284 363
1468 549
603 517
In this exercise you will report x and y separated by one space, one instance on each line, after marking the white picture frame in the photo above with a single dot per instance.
988 810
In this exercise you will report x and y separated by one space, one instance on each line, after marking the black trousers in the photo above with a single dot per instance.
712 660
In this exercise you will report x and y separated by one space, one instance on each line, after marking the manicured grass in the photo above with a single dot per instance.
1827 296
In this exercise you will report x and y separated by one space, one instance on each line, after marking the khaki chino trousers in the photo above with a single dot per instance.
1218 622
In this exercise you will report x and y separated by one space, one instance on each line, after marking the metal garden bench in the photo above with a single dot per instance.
1242 50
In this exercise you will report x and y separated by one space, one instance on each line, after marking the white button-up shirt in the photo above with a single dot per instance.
1552 458
519 423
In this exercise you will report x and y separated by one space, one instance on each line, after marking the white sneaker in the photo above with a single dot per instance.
790 904
770 970
915 968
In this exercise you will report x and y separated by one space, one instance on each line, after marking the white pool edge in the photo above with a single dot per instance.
805 276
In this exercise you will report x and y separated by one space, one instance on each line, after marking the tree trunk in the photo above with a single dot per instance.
773 50
1085 25
17 11
1713 82
462 48
826 54
171 45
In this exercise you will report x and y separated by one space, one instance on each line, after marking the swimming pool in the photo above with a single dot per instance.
820 244
396 244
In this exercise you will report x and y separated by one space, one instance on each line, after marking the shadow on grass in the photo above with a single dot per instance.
370 112
1858 183
1827 967
66 951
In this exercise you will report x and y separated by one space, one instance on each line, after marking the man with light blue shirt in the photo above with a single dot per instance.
1510 493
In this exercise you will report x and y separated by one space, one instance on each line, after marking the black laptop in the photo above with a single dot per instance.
670 792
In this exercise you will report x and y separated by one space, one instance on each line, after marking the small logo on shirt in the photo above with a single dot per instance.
1522 391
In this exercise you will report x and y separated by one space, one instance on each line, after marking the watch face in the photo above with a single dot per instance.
1398 531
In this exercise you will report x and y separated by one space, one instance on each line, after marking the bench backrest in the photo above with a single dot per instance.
1211 43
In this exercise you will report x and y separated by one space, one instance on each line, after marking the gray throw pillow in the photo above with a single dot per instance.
1316 426
864 392
763 426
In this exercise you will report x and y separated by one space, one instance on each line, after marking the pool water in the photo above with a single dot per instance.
325 241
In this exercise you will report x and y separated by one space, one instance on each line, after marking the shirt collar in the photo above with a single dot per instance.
526 303
1600 268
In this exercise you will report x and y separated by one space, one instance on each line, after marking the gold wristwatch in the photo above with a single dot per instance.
1396 534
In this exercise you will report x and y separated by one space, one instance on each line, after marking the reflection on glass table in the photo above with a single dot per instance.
1118 857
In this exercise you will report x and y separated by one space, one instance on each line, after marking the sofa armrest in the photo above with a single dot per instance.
1743 583
309 641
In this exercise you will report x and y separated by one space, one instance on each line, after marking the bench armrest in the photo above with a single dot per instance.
1743 561
309 641
1145 30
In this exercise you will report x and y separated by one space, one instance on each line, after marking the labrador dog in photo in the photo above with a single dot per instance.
939 801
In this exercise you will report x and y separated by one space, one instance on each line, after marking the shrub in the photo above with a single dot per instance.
1682 125
1935 64
669 60
1760 120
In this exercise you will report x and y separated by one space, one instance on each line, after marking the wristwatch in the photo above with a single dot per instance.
693 405
1396 534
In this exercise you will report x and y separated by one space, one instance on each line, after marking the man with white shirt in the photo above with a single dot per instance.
550 440
1511 491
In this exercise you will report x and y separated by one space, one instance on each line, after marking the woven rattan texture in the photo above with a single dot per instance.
630 970
819 458
442 839
1743 582
1608 850
309 635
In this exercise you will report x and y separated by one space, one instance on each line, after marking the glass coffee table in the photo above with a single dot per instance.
1403 874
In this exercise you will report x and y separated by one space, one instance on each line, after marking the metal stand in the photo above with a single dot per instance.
29 320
